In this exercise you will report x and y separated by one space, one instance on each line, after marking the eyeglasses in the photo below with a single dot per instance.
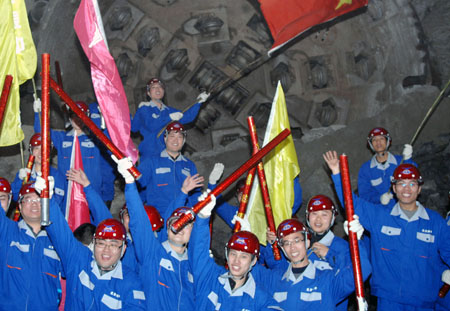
411 184
31 201
113 247
287 243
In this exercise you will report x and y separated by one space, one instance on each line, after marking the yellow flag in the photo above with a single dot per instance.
281 167
25 49
17 58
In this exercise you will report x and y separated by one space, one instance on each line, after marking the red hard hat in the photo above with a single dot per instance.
153 81
289 226
110 229
177 214
27 188
5 186
244 241
320 202
407 171
35 140
155 218
379 131
175 126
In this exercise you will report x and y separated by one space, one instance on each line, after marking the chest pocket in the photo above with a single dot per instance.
111 302
87 144
376 182
391 231
166 264
314 296
51 253
322 265
280 296
24 248
163 170
66 144
425 237
186 172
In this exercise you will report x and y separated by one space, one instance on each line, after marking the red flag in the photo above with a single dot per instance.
289 18
77 209
105 77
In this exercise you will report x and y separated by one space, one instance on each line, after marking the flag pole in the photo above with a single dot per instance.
263 185
91 125
30 164
352 238
244 199
253 161
4 98
45 132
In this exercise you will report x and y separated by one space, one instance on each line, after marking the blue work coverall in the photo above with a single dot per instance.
406 253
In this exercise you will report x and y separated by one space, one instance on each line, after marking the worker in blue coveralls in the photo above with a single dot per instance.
325 246
408 242
163 263
30 268
304 286
163 175
374 178
95 279
152 116
100 212
219 289
34 148
97 168
5 194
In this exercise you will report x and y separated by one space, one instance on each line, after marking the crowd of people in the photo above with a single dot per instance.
137 262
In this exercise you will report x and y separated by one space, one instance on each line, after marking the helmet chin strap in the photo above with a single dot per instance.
177 244
111 267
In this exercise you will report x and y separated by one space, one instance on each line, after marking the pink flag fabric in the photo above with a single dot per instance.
105 77
77 209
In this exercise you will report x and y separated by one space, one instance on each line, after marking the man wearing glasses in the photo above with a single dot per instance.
303 286
29 266
408 241
96 280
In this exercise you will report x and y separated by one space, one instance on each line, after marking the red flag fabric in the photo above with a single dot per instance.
289 18
77 209
108 86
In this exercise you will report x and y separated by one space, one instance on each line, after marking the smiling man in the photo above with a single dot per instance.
220 289
163 175
408 242
374 181
96 280
304 284
29 266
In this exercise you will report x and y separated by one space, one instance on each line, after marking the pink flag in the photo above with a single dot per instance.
77 209
105 76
